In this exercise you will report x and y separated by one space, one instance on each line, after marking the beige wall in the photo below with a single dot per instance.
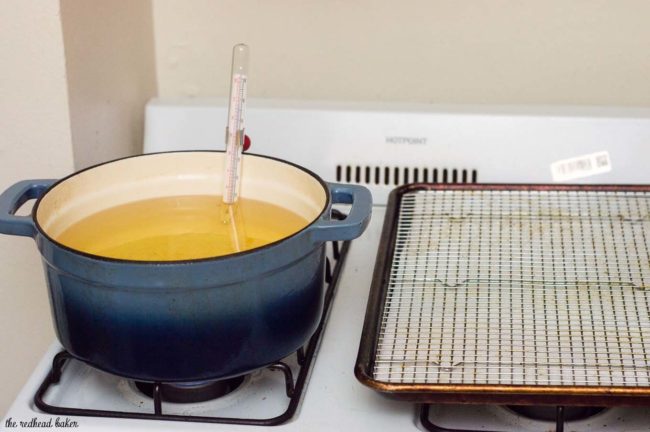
111 74
440 51
35 142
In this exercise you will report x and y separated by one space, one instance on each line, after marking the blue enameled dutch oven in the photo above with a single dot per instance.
187 320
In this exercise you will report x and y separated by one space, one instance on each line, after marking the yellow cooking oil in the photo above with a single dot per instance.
181 228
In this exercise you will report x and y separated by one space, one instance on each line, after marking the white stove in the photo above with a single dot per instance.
379 147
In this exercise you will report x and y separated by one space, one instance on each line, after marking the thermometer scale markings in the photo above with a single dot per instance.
235 128
235 138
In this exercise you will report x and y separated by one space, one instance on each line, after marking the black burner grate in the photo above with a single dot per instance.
294 387
559 417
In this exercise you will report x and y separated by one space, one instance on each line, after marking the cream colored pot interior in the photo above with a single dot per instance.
170 174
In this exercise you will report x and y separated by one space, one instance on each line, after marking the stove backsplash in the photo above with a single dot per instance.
382 146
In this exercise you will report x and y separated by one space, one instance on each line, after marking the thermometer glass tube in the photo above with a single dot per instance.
235 128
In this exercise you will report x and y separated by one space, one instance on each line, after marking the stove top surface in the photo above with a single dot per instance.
333 399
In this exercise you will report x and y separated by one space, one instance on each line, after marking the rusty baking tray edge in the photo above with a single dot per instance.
474 393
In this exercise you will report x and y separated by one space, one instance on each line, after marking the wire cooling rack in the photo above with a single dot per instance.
525 287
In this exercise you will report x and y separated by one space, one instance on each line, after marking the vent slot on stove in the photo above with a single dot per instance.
395 176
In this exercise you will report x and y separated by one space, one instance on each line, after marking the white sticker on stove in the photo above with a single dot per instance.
581 166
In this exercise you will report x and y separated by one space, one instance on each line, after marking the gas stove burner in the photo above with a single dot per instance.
549 413
193 392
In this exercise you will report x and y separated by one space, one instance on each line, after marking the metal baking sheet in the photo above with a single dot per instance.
539 294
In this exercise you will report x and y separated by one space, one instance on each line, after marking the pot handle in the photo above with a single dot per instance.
326 229
12 199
